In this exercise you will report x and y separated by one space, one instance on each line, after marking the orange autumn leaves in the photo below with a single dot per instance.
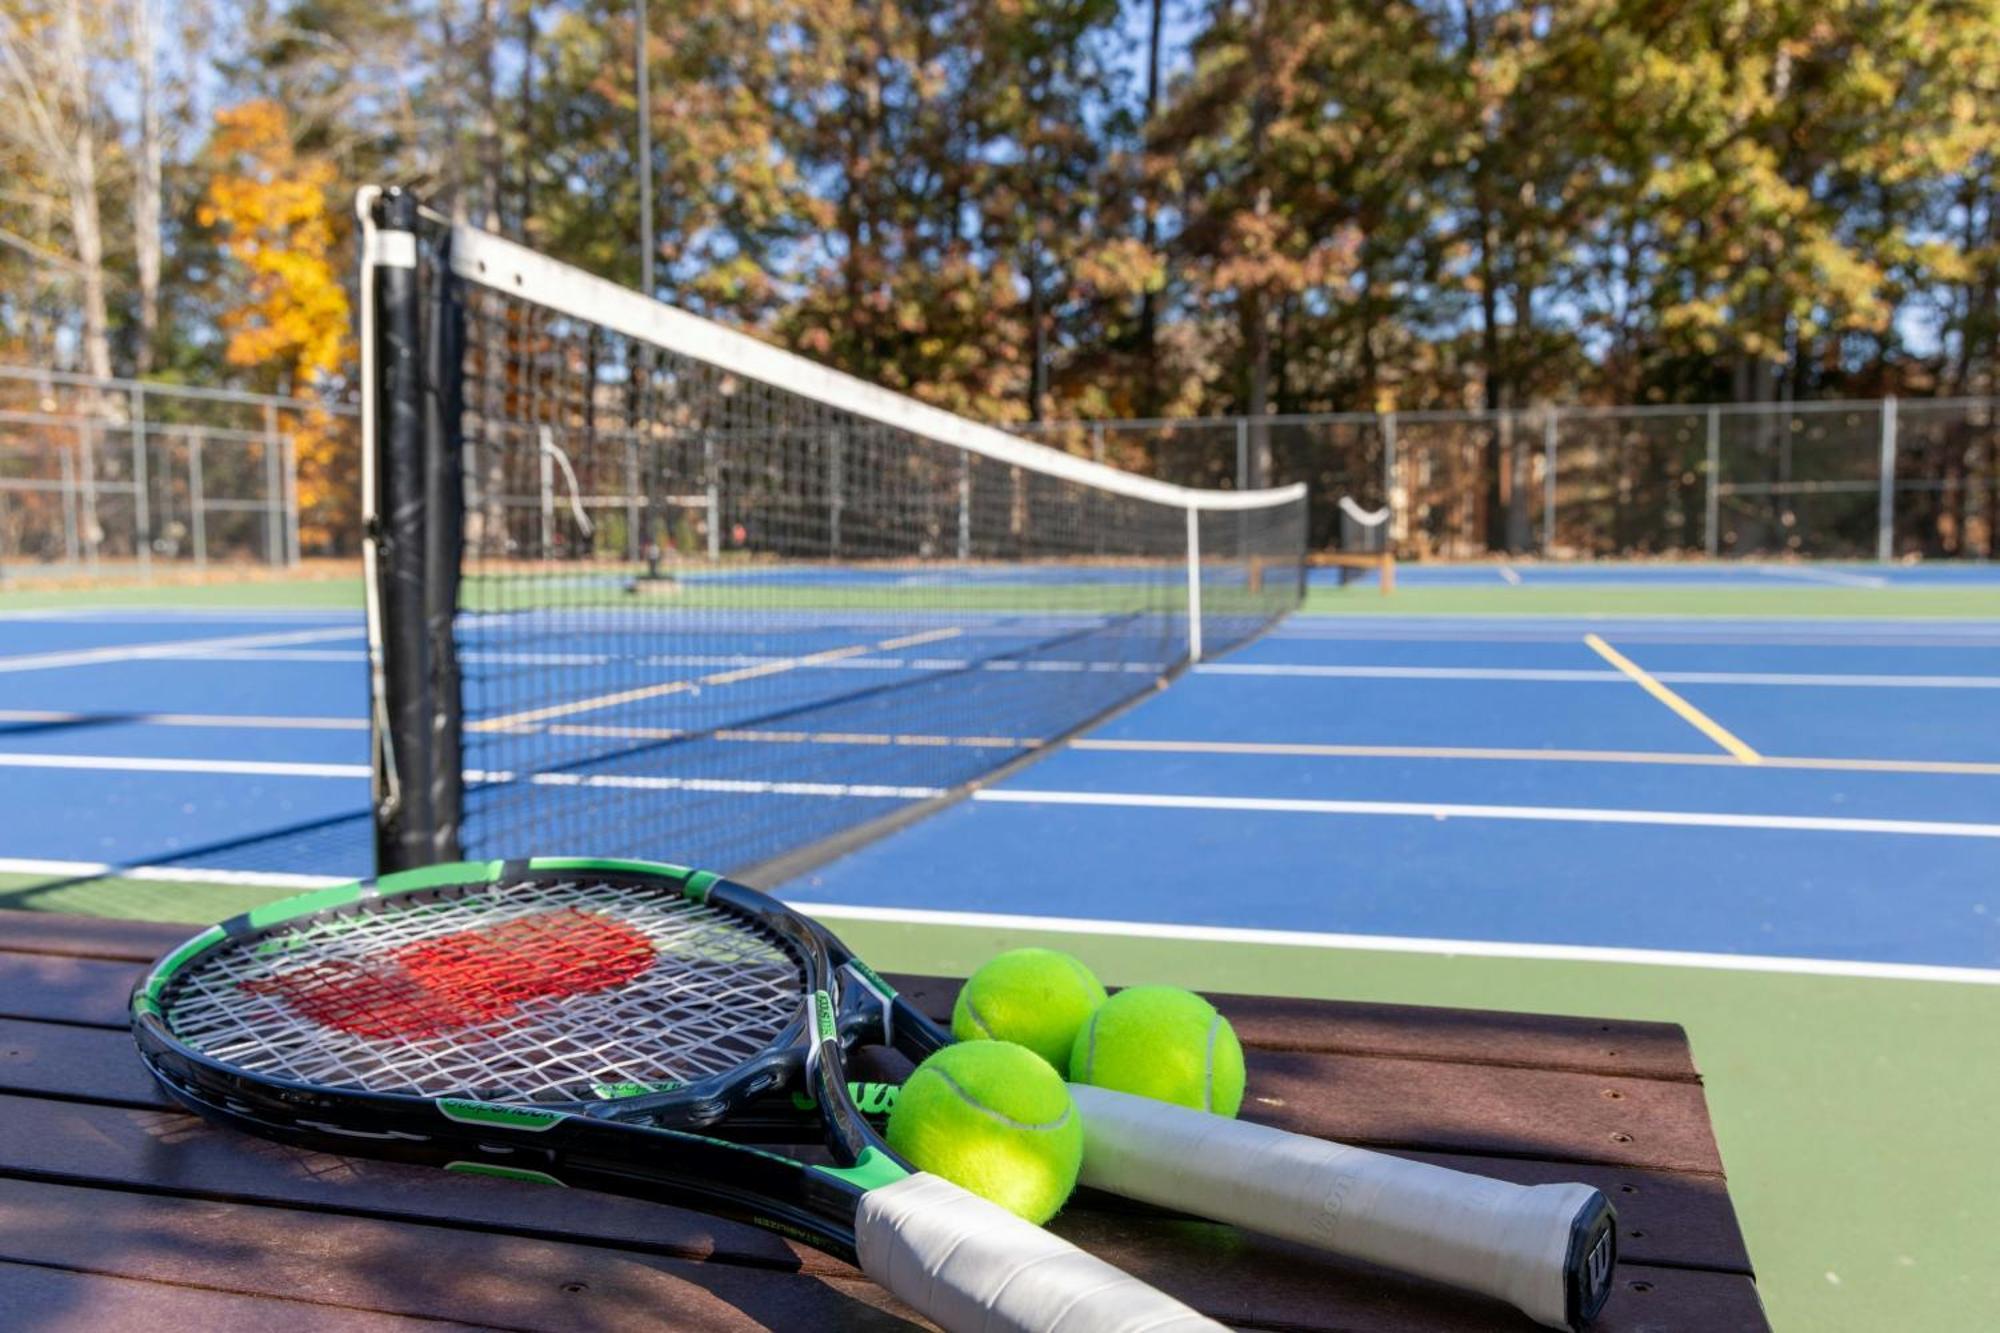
273 212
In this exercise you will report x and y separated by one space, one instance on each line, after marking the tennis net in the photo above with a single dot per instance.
644 586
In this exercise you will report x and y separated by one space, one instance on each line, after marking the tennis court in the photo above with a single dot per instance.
663 591
1427 808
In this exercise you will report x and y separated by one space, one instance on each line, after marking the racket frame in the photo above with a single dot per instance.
648 1145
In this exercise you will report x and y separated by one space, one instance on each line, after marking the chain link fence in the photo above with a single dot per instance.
114 476
1824 480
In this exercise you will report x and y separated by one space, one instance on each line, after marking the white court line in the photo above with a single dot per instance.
1833 576
169 874
178 648
1832 680
1156 930
1553 814
125 763
1459 753
260 723
1573 953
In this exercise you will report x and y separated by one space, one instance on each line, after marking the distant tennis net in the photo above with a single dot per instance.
642 585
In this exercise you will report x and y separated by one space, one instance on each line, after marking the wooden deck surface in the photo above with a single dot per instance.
118 1211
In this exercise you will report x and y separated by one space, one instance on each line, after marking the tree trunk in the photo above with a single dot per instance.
525 198
146 188
490 172
1149 302
73 71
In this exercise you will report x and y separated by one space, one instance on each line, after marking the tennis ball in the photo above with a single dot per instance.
994 1118
1165 1043
1036 998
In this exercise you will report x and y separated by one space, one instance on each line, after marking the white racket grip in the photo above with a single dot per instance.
1545 1249
973 1267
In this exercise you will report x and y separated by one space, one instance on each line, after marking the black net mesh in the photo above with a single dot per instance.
719 604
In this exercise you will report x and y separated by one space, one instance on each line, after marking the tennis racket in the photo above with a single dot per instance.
594 1023
1547 1250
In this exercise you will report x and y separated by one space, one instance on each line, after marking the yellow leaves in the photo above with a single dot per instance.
270 208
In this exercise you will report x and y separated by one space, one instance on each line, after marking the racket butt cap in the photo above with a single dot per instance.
1591 1261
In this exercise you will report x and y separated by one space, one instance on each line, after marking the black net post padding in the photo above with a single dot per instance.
444 500
403 821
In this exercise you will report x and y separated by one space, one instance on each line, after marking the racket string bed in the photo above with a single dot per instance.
461 997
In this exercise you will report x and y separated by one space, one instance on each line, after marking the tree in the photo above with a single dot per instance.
273 208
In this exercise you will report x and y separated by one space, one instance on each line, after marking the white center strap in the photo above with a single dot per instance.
974 1267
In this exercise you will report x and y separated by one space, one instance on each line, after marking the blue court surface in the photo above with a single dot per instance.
1798 795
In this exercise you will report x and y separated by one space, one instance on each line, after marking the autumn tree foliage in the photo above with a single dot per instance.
1033 210
288 322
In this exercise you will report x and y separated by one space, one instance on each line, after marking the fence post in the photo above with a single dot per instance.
274 491
1194 584
196 501
1388 427
1712 500
1097 442
965 507
1242 453
71 554
142 500
835 485
291 500
1885 503
714 479
1549 479
93 531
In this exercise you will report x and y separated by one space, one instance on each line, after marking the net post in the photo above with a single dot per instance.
1885 500
393 514
1194 583
1549 479
441 326
1712 499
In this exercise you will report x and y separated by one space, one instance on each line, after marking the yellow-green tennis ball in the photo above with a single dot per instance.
1162 1042
994 1118
1037 998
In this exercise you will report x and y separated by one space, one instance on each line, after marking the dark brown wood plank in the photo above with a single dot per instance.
369 1268
61 989
86 1064
1476 1036
1241 1278
53 1300
1682 1219
88 936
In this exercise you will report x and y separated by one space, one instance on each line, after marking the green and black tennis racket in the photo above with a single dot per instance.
578 1004
595 1023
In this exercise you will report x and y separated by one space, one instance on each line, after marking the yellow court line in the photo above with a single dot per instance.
1693 716
512 721
1304 750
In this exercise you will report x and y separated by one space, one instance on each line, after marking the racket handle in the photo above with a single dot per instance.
1547 1250
973 1267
